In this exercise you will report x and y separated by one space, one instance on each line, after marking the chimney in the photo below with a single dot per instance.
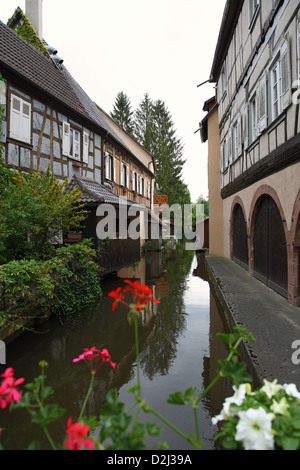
34 12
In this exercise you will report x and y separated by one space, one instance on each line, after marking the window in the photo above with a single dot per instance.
253 118
223 81
110 167
224 157
280 81
261 93
142 186
20 119
72 143
134 182
124 175
253 10
237 138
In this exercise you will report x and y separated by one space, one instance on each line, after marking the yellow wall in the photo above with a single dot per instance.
216 239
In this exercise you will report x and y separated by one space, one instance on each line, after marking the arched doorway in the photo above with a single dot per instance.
239 237
269 246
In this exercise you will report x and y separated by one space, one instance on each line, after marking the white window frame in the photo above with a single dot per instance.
224 156
253 8
71 142
223 79
85 150
20 119
124 175
142 186
110 167
262 112
253 128
237 138
280 89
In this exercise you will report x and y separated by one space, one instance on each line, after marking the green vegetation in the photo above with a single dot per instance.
35 272
154 129
27 31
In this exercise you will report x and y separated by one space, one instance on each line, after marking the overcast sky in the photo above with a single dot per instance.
161 47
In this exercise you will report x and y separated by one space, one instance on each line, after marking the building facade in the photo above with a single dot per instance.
48 121
256 69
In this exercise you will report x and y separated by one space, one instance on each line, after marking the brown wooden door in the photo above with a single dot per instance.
270 251
240 239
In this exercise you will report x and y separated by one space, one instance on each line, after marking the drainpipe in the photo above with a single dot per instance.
34 12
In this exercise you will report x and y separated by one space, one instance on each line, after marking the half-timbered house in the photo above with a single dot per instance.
256 69
48 120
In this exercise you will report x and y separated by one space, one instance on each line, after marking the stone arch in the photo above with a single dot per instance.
269 240
239 249
294 260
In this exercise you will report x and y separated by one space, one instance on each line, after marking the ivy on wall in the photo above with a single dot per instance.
22 26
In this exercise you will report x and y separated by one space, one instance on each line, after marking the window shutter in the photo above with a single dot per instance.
285 74
246 126
262 104
25 122
76 145
115 170
133 182
20 119
107 175
66 139
230 147
85 155
239 136
15 117
127 177
122 180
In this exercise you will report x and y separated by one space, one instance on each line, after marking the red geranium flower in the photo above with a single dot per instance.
140 292
116 294
77 433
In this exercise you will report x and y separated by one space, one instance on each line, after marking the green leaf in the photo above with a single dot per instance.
153 429
48 414
176 398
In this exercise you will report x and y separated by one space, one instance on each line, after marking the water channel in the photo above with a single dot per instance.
178 347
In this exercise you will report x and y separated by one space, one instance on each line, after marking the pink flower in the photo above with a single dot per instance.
8 388
77 433
95 358
106 357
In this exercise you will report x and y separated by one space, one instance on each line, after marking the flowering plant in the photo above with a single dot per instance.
264 419
268 418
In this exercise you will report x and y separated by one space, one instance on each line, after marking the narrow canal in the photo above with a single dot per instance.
178 349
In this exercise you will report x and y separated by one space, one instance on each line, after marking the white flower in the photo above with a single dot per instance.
225 413
281 407
271 388
255 429
291 390
237 399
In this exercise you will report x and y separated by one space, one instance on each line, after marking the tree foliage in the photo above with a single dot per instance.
154 129
122 112
33 208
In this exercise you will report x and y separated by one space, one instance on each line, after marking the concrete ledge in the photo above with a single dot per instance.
274 323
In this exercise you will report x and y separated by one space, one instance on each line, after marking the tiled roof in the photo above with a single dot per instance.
93 192
40 71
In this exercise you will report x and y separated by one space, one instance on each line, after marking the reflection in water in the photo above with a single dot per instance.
178 348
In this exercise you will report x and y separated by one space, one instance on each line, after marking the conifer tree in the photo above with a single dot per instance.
122 112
